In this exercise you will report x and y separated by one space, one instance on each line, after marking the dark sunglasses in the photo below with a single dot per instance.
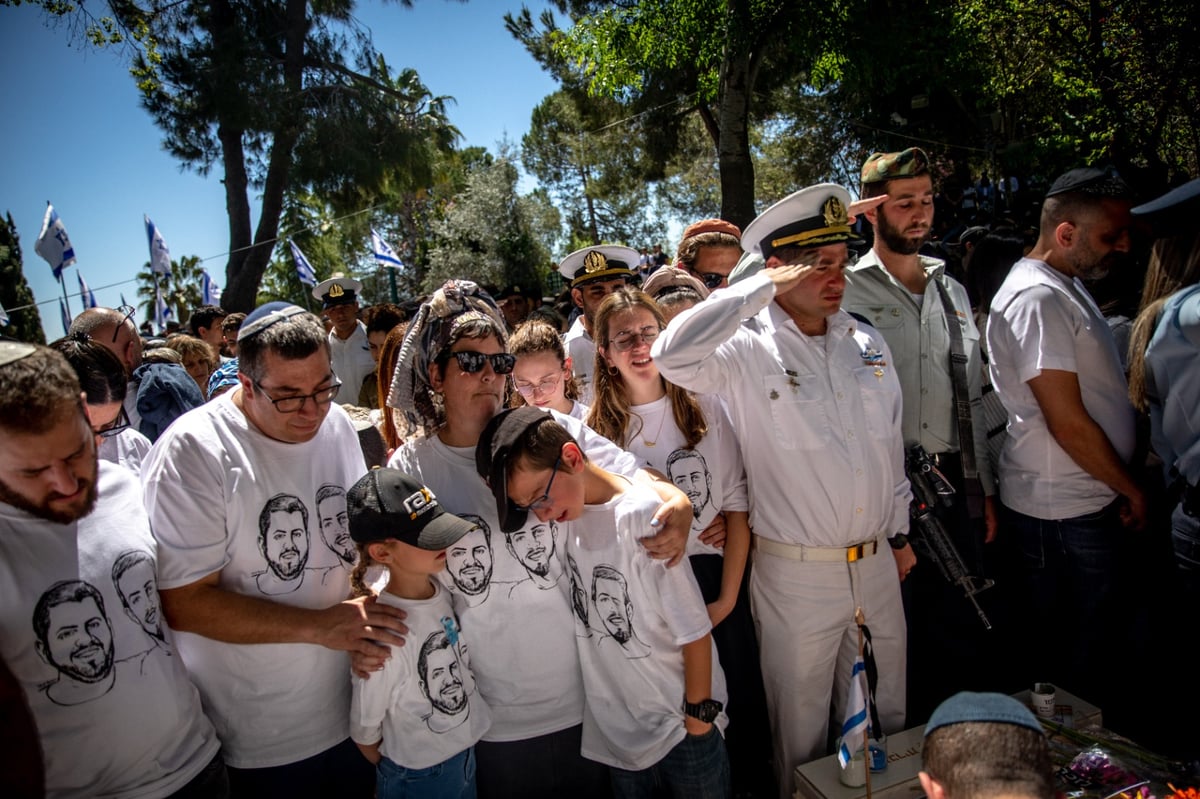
116 426
711 279
471 362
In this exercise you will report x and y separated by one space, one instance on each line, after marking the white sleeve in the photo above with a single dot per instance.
371 699
689 352
182 486
729 454
600 450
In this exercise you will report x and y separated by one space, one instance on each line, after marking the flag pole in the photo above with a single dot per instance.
62 284
860 619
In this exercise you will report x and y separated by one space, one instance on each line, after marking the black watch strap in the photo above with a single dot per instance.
705 710
898 541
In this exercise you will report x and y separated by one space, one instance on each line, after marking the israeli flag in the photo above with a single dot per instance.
66 316
160 256
210 292
162 311
3 316
85 293
304 269
384 254
53 244
856 718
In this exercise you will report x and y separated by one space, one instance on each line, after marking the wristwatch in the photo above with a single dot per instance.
898 541
705 710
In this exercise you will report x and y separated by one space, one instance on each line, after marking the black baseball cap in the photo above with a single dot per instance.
493 452
387 503
1173 212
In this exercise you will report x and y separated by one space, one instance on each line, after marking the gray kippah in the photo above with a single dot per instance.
966 706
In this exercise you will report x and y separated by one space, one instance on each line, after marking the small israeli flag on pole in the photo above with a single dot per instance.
856 720
160 256
53 244
304 269
85 294
162 311
210 292
384 254
66 315
3 316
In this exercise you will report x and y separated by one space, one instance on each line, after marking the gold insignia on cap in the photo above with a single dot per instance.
835 213
594 261
336 290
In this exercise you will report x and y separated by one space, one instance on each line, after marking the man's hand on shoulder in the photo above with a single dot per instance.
366 629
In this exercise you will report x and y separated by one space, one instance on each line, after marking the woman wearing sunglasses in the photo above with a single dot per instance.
450 381
690 439
542 375
102 377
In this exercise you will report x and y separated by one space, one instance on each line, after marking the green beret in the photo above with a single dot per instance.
885 166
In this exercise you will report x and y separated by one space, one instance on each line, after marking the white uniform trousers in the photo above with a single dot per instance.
804 615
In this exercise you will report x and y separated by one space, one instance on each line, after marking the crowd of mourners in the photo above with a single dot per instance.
628 541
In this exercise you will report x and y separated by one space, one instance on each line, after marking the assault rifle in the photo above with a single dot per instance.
930 488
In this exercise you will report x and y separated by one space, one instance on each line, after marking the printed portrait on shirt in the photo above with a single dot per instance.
688 470
133 576
469 562
334 524
610 596
283 541
74 636
534 546
440 671
579 599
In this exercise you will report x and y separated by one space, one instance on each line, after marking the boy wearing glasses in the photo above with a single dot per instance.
654 691
229 488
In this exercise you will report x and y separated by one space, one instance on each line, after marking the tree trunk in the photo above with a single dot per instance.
245 269
733 150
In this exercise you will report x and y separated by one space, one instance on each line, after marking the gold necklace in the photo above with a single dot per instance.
657 433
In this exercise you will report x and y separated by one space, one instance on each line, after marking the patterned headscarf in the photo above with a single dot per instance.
455 304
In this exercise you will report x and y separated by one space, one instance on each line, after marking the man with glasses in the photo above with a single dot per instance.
594 273
709 250
815 402
115 329
1066 489
271 666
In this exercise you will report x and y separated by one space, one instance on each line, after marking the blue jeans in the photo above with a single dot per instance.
1070 570
450 779
697 768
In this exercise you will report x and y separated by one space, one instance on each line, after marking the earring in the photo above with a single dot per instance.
612 370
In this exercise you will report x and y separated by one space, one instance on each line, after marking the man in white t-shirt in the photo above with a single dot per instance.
1070 427
227 488
115 712
593 273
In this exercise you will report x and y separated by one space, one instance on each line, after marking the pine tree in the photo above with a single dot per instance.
24 324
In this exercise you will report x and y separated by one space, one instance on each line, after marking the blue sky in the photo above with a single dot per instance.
75 135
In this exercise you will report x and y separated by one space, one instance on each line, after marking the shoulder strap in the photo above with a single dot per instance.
962 395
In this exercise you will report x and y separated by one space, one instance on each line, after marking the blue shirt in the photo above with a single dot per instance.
1173 385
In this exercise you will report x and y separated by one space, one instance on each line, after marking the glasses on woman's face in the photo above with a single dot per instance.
625 341
711 280
114 427
471 362
541 388
544 499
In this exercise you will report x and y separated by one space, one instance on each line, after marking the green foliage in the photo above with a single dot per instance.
490 233
24 324
181 290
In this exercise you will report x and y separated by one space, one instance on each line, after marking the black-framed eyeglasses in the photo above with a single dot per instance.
127 311
544 499
527 390
627 341
115 427
292 404
471 362
711 280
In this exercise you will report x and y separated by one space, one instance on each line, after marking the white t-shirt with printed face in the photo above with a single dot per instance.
424 703
81 627
639 616
521 632
711 473
223 497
